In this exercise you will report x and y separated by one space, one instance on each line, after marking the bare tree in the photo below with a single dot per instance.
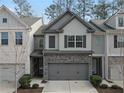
23 8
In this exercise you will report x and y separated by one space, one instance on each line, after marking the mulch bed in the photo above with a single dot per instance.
109 90
39 90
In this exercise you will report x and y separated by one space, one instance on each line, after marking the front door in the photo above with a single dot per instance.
38 67
97 66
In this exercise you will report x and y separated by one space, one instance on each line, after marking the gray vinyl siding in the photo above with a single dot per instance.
98 44
36 42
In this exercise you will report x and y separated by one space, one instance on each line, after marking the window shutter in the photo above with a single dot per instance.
65 41
115 41
84 41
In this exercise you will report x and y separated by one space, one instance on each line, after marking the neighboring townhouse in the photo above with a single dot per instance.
111 44
16 43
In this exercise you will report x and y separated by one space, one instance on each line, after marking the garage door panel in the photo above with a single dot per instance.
68 71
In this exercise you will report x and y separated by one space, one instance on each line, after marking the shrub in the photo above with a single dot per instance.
95 80
35 86
25 81
115 87
103 86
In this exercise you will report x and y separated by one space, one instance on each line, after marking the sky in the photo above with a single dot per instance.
38 8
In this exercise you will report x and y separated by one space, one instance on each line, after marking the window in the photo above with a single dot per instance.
51 41
118 41
18 38
41 43
71 41
120 22
77 41
4 20
4 38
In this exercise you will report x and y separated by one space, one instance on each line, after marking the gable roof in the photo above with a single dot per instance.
119 11
59 28
16 17
111 17
100 25
30 20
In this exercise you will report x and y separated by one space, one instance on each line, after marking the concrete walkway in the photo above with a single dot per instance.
119 83
69 87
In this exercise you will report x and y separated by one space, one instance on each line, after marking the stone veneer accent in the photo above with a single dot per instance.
114 60
65 58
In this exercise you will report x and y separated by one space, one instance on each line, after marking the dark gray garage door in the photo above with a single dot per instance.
68 71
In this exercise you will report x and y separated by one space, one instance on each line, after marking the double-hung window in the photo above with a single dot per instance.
79 41
118 41
41 41
120 22
4 38
19 38
71 41
75 41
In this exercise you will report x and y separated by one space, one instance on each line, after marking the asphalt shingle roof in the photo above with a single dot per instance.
30 20
56 26
100 24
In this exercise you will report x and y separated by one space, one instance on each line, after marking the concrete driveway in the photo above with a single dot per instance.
69 87
7 87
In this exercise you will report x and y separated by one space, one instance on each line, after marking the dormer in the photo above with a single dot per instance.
120 21
116 21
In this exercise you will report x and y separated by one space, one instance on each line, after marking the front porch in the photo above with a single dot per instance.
98 66
37 64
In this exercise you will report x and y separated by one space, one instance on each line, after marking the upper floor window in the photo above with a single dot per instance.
120 22
77 41
71 41
118 41
41 43
52 41
19 38
4 20
4 38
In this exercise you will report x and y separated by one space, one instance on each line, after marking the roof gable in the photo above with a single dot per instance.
111 21
13 15
53 28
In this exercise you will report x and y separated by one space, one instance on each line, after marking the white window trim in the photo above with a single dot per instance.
6 21
75 41
121 40
117 23
70 41
22 39
55 41
39 43
1 39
